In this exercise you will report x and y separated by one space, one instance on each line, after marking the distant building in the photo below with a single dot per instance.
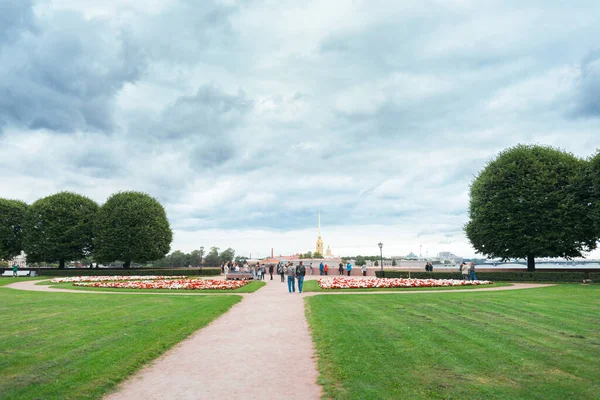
20 260
411 256
446 257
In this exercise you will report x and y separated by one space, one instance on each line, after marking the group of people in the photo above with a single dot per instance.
258 271
294 274
468 272
429 267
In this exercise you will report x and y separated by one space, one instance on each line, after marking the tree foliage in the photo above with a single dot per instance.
594 177
316 254
12 218
132 227
531 201
59 228
212 258
227 255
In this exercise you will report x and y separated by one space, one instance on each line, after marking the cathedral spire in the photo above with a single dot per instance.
319 248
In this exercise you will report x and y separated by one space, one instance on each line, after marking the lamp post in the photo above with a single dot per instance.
381 258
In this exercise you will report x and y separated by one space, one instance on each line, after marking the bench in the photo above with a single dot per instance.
239 276
19 273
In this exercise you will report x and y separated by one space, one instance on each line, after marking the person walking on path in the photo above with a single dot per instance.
349 268
364 269
271 270
15 270
300 273
321 268
464 270
341 268
310 269
263 272
291 275
472 276
281 271
325 269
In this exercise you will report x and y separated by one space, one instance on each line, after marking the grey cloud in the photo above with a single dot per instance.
16 16
65 76
211 154
588 90
189 30
211 112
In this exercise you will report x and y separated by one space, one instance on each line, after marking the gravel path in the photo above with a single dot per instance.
260 349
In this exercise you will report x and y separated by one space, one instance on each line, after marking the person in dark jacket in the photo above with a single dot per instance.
341 269
271 270
300 273
281 271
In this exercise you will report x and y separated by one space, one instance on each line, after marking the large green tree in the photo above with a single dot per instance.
12 218
132 227
594 177
212 258
59 228
531 201
227 255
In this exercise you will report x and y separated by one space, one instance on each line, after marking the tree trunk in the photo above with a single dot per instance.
127 265
61 264
530 263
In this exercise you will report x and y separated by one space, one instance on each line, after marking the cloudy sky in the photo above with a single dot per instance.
244 118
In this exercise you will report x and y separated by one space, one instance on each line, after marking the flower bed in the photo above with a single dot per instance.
185 284
114 278
368 283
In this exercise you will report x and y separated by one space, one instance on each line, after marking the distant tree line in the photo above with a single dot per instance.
535 201
130 226
196 258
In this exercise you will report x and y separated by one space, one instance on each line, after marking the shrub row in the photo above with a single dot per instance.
126 272
538 276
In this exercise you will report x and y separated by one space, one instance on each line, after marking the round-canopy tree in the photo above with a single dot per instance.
59 228
12 218
531 201
131 226
594 167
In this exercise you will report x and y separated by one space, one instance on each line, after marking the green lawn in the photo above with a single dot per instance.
523 344
249 288
313 286
69 346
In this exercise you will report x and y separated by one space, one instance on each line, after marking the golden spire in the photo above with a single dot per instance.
319 222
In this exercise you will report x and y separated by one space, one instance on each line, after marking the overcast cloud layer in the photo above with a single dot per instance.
245 117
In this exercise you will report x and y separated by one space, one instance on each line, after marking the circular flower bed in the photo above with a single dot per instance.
115 278
367 283
185 284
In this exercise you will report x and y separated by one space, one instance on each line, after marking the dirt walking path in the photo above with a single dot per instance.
260 349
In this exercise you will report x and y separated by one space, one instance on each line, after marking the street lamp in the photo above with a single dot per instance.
381 256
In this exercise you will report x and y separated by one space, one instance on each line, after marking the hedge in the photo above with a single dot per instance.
524 276
126 272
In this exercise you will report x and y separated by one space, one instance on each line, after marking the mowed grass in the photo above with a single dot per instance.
523 344
313 286
249 288
69 346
